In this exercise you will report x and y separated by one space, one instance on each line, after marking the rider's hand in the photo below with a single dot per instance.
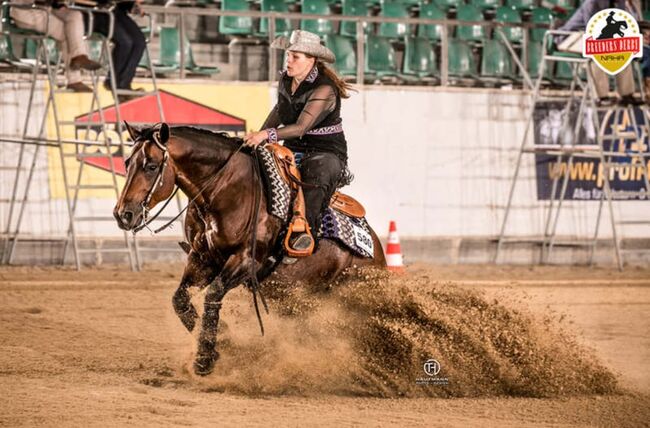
254 139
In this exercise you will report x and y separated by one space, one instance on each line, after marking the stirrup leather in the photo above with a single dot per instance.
298 224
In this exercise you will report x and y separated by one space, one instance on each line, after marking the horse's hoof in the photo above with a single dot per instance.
204 363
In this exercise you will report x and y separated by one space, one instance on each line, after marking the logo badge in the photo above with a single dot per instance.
612 38
431 367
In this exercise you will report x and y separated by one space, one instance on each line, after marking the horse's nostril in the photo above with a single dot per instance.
127 216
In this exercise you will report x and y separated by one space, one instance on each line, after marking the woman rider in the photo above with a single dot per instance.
308 108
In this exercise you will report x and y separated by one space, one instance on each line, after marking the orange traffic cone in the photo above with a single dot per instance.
394 260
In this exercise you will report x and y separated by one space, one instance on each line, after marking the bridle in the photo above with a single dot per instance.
158 181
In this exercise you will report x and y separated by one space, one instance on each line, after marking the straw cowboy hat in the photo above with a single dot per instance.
305 42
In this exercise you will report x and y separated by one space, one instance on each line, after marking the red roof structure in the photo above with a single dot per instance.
177 110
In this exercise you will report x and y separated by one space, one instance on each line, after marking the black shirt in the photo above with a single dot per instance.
312 116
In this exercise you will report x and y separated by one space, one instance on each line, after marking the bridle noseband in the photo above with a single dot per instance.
158 181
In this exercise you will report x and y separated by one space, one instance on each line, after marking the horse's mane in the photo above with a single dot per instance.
205 136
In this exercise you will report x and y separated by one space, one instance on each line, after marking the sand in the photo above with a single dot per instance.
103 347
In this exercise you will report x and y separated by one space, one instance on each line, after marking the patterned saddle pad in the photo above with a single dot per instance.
352 232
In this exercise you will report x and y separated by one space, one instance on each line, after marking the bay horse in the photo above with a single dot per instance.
227 208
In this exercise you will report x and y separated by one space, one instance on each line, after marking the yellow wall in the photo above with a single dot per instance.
250 102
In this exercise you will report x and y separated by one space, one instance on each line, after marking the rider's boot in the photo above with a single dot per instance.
299 241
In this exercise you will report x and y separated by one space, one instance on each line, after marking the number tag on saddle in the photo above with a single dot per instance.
363 240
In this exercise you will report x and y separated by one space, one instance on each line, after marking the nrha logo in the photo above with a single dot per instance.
612 38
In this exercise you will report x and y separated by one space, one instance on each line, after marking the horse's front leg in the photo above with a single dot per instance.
232 274
199 274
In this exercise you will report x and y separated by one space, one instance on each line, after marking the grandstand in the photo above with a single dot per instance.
485 42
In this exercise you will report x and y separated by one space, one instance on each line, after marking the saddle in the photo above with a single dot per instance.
290 174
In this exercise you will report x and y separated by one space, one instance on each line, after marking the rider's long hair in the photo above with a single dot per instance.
342 86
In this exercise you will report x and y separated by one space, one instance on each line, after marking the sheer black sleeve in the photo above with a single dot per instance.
273 119
321 103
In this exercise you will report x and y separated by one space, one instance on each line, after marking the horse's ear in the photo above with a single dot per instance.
133 133
164 133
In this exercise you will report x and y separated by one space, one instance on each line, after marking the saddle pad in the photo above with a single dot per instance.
353 232
277 190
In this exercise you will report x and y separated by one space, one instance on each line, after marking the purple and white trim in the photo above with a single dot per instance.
313 74
273 135
326 130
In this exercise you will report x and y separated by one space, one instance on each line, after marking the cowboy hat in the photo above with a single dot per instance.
305 42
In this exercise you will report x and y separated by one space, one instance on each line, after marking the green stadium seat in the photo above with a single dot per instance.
235 25
6 49
534 59
390 29
509 15
381 60
317 26
170 54
563 73
485 4
346 55
282 25
521 4
496 61
94 48
31 46
461 59
541 15
448 4
419 58
354 8
475 33
431 11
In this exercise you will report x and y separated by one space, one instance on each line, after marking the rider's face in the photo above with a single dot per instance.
299 64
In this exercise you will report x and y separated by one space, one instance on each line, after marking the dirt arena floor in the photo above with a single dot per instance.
103 347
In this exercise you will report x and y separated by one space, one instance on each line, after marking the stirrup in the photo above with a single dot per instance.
302 242
301 245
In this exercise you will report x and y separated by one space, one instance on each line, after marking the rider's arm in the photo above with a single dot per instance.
273 119
321 103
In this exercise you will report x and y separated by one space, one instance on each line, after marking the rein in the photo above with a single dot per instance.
254 284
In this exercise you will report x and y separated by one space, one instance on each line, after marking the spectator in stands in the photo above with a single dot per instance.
578 23
66 27
309 107
129 43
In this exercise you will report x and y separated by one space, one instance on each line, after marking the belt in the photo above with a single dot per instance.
326 130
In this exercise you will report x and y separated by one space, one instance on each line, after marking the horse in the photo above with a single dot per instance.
231 238
612 29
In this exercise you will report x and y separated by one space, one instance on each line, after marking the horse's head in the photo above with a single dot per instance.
150 175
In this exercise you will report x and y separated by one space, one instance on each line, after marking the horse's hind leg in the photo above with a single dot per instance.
196 274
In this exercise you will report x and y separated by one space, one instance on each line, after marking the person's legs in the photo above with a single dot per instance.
54 27
645 65
324 170
121 49
625 81
137 46
601 81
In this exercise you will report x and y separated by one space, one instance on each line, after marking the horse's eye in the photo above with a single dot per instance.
152 167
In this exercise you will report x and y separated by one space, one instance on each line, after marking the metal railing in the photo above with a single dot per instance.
361 22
